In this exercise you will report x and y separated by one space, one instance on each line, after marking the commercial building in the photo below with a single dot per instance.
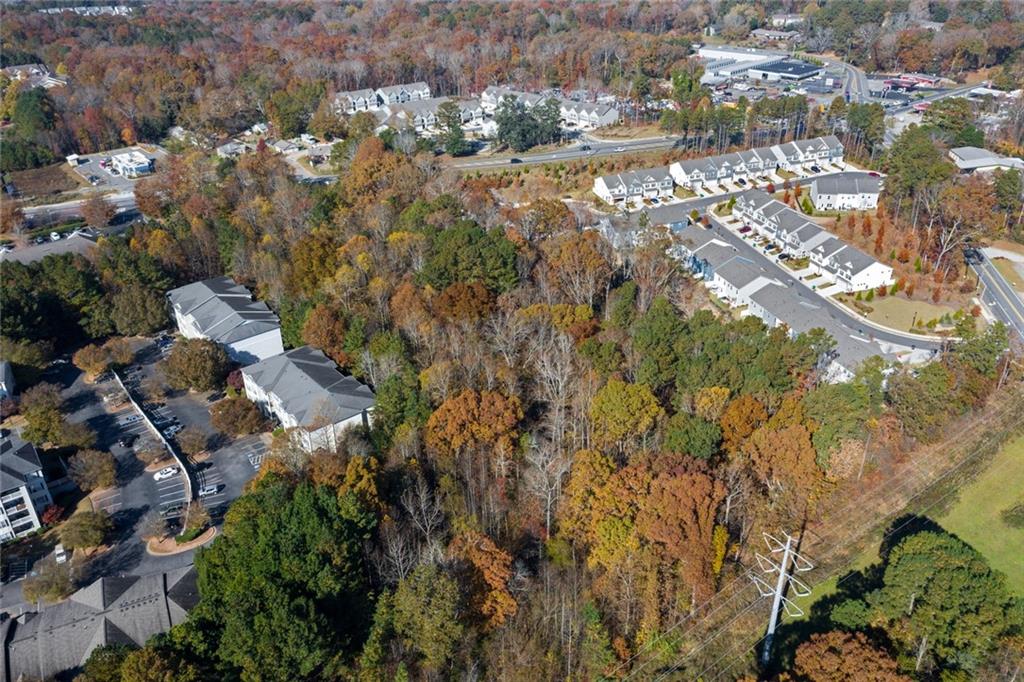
55 642
768 35
784 70
846 193
24 493
634 186
306 393
977 160
224 311
131 164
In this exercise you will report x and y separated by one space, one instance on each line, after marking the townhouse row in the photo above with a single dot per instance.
301 388
373 99
848 267
573 114
710 172
741 283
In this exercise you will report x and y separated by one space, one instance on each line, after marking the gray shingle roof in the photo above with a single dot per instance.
310 387
845 184
18 459
738 271
224 310
115 610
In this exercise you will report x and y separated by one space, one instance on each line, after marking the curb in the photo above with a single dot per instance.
188 546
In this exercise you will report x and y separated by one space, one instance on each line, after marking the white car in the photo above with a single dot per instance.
55 236
59 555
208 491
165 473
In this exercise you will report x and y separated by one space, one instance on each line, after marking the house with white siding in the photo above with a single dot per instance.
224 311
846 193
400 94
24 494
634 186
306 393
353 101
842 263
587 115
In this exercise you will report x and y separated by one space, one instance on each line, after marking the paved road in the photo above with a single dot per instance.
72 209
999 296
890 135
569 153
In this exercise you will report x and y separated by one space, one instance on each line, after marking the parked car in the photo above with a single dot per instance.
783 256
741 182
874 174
6 248
815 169
59 555
171 430
39 240
131 419
208 490
165 473
127 441
214 397
745 229
173 510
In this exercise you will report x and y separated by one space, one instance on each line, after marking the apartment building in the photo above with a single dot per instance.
224 311
24 493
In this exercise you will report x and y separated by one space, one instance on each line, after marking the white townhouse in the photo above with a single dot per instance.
353 101
587 115
634 186
492 96
23 490
400 94
846 193
750 163
422 114
223 311
306 393
846 265
736 280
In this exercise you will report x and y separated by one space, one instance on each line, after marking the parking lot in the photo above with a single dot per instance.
96 170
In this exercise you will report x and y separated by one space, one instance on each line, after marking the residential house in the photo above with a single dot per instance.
6 380
24 494
634 186
400 94
232 149
845 265
56 641
131 164
33 75
493 95
977 160
845 193
748 164
354 101
586 115
224 311
782 20
305 392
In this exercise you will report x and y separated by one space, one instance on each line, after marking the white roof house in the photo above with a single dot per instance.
305 391
222 310
977 160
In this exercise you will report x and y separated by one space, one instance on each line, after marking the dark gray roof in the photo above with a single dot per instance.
739 272
310 387
716 253
791 67
224 309
18 459
847 184
115 610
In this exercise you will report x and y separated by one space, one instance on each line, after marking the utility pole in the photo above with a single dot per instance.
789 560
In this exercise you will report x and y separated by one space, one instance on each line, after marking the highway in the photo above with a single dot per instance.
998 295
71 209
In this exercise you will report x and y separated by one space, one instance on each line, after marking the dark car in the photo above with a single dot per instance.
741 182
515 160
815 169
126 442
874 174
585 147
174 510
783 256
745 229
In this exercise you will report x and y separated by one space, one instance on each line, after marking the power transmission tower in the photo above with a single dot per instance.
788 562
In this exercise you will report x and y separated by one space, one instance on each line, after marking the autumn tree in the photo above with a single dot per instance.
92 470
325 329
470 420
196 364
579 264
97 211
91 359
192 440
85 529
136 310
237 417
491 569
844 657
49 582
426 615
739 419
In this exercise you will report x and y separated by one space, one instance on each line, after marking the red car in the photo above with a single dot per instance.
874 174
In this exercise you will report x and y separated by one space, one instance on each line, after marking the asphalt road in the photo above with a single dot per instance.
65 210
999 296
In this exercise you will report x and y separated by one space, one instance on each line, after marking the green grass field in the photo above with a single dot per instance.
975 518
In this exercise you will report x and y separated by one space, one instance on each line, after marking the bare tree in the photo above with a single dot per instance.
426 514
548 467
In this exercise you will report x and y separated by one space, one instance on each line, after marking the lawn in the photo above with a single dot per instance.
1011 271
626 132
46 181
977 515
898 312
